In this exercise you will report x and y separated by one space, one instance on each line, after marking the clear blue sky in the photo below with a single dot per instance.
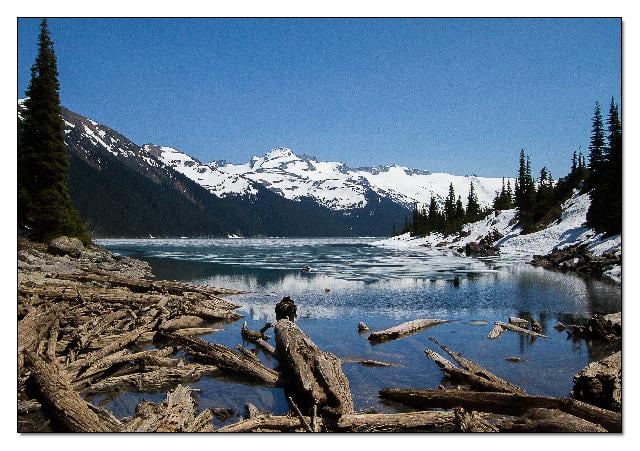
456 95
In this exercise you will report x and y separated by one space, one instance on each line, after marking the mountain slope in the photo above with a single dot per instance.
331 184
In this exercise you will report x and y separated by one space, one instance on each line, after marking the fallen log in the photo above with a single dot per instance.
225 358
154 379
514 328
66 404
600 383
496 331
258 338
520 322
506 403
548 420
471 422
403 329
316 377
426 421
191 331
124 356
475 369
121 342
28 406
181 322
212 314
176 414
267 423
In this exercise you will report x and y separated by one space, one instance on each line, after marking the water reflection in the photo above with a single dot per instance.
383 287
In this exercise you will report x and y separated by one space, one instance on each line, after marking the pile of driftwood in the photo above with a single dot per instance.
92 327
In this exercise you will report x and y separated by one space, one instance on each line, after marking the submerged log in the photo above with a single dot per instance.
316 377
176 414
225 358
124 356
600 383
496 331
66 404
403 329
181 322
505 403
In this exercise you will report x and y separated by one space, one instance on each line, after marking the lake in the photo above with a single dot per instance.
351 281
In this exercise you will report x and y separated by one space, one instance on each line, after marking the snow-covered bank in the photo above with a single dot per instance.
569 230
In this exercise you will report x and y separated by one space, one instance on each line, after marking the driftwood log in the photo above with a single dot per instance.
505 403
258 338
54 385
403 329
315 377
499 326
470 372
176 414
548 420
228 361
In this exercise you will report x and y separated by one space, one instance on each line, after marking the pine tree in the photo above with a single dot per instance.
44 204
450 211
605 211
596 150
459 217
473 206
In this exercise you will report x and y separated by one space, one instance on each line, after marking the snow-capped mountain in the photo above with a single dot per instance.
331 184
126 190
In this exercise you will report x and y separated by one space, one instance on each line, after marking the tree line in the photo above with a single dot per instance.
538 201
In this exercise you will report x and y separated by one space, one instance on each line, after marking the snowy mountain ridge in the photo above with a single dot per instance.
331 184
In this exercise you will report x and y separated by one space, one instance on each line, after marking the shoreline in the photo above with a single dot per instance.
91 319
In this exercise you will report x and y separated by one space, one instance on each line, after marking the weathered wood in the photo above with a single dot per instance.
104 364
176 414
600 383
56 390
362 327
181 322
548 420
191 331
156 379
121 342
367 362
266 423
506 403
225 358
304 422
520 330
28 405
257 338
520 322
496 331
403 329
442 362
471 422
212 314
316 377
426 421
472 367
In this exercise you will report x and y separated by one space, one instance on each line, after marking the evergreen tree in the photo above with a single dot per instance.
44 205
450 211
459 217
473 206
596 151
605 211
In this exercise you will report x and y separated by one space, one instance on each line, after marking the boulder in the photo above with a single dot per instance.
64 245
600 383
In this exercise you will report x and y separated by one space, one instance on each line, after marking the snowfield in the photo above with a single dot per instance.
568 230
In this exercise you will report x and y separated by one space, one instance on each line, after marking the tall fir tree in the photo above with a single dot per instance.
473 206
44 204
597 155
605 211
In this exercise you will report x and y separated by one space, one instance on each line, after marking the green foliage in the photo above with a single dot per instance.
44 204
504 198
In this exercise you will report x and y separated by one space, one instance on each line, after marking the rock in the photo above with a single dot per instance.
63 245
514 359
601 327
286 309
362 327
600 383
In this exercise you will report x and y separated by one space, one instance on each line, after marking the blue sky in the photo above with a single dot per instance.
455 95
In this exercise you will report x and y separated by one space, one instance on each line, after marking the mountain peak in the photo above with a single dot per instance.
279 152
